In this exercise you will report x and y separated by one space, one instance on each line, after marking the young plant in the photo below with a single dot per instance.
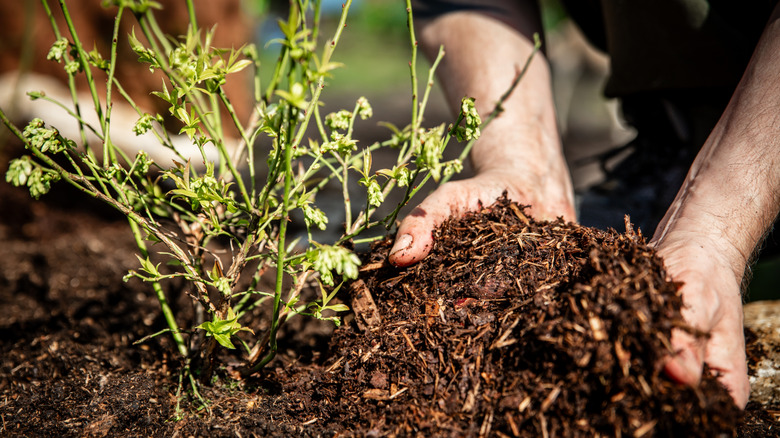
185 208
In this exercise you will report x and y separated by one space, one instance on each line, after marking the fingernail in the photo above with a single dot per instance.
403 242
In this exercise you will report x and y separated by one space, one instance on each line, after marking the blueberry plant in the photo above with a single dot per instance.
176 211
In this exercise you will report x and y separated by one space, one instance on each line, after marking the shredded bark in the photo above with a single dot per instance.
514 327
510 328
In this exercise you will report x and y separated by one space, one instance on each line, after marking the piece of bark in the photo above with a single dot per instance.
366 312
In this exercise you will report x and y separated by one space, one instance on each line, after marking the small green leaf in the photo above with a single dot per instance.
337 308
148 267
239 65
223 329
184 192
296 96
224 340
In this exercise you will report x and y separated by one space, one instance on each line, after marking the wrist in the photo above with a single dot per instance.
529 158
701 239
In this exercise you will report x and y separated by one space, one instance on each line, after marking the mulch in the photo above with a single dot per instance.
511 327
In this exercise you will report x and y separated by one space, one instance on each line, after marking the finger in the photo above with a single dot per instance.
700 310
414 238
684 365
726 357
723 350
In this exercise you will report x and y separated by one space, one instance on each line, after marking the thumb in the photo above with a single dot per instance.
414 238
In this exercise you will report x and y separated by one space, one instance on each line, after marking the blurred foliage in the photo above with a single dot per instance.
257 8
375 27
553 14
381 17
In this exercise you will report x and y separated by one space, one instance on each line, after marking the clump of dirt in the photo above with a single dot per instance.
513 327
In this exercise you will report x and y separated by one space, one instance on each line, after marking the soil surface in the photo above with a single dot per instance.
510 328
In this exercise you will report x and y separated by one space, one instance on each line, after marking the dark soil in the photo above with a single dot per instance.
509 328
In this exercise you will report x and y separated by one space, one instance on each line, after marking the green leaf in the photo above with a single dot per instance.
184 192
337 308
330 66
96 59
224 340
291 304
223 329
148 267
296 96
239 65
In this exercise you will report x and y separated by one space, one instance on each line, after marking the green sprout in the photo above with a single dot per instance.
223 329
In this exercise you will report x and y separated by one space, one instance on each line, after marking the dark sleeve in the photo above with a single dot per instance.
589 16
680 44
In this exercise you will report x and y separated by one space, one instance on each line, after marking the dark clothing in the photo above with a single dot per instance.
674 64
657 45
660 45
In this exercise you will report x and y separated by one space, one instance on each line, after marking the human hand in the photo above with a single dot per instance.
520 152
713 305
414 238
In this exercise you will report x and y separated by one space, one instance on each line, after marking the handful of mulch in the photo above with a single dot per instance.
513 327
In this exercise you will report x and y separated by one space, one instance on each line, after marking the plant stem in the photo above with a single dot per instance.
281 63
342 24
88 73
281 255
164 306
108 145
308 112
151 28
413 71
75 115
191 13
71 80
429 84
245 142
83 184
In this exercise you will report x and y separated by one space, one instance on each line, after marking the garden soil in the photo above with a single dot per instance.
510 327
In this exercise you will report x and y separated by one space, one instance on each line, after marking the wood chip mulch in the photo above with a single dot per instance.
513 327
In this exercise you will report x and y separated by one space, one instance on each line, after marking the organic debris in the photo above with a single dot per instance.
69 365
513 327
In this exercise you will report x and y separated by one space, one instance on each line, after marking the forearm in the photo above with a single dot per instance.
732 191
483 55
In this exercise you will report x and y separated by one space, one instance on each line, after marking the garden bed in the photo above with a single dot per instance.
510 327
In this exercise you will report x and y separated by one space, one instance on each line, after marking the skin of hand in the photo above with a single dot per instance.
520 152
729 200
